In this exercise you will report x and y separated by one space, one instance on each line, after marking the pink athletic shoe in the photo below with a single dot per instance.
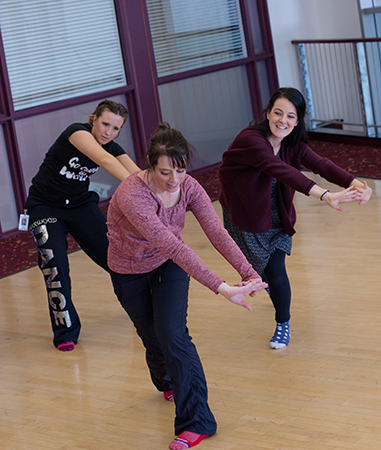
66 346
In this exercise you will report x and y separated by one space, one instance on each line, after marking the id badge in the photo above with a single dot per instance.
24 222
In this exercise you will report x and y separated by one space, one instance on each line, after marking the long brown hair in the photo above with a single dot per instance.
299 133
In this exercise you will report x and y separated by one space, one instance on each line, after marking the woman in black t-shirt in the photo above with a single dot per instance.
59 202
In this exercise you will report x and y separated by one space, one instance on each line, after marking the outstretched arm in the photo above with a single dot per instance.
86 144
202 208
128 164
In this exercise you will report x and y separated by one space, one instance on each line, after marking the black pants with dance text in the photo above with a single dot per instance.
157 304
50 227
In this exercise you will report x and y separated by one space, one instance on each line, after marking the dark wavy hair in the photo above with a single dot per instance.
109 105
299 133
167 141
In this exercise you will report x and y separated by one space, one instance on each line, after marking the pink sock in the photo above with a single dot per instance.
66 346
168 395
187 439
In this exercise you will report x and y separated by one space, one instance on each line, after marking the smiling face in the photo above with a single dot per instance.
106 127
165 177
283 118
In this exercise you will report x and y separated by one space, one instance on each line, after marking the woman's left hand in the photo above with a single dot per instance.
258 286
365 193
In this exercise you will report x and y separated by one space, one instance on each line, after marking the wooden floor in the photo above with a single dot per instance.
323 392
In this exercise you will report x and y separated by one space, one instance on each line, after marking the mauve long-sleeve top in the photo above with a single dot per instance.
246 173
143 234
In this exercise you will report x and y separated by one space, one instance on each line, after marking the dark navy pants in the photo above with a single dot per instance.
50 227
157 304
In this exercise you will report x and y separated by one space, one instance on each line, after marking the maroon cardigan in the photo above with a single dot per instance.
246 173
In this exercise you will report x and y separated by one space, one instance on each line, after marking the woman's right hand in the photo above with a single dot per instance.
236 294
333 199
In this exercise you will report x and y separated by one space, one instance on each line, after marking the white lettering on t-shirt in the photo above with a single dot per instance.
80 173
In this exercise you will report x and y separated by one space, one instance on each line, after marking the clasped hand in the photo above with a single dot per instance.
351 194
364 193
238 292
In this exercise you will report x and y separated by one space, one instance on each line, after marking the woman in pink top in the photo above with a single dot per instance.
151 267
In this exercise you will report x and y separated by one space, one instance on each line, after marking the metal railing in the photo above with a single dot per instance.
342 85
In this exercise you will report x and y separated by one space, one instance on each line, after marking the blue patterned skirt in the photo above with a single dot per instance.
258 247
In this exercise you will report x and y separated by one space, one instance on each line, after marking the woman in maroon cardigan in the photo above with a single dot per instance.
259 175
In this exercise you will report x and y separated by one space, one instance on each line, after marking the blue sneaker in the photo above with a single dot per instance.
281 336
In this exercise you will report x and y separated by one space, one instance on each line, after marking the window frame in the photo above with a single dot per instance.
140 90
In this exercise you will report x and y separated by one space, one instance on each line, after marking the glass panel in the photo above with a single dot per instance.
8 210
331 83
377 21
57 50
366 4
255 26
372 69
263 83
36 134
369 26
209 110
195 33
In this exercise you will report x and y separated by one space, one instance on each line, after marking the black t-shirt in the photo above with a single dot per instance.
64 175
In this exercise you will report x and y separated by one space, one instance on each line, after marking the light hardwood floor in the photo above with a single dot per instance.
323 392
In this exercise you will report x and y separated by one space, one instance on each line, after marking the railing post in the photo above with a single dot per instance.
307 84
364 86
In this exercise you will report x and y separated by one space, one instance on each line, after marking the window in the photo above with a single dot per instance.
218 106
364 4
192 34
8 211
60 49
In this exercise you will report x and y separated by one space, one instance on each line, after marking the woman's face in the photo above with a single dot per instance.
165 177
106 127
283 118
